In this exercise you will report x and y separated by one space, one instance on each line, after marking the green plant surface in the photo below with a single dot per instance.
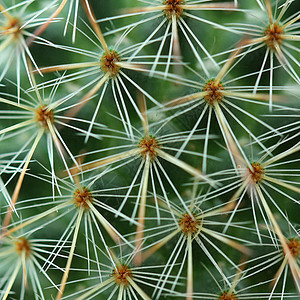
149 149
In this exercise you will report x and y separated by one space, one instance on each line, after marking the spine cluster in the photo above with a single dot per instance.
149 149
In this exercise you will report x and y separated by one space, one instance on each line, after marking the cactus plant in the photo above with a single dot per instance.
149 149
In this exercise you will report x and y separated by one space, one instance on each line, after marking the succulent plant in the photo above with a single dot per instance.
149 149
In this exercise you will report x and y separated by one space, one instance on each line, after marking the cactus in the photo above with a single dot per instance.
149 149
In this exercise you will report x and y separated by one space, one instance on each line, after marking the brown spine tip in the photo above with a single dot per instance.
228 296
13 27
173 8
215 92
274 35
82 197
148 146
121 275
294 246
43 115
23 246
256 172
108 63
189 224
